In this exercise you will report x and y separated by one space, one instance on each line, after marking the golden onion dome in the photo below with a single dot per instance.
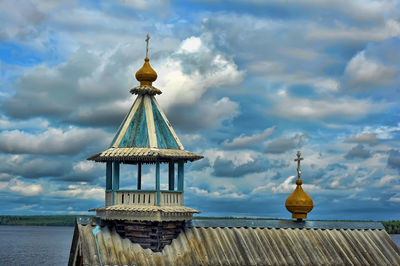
299 203
146 75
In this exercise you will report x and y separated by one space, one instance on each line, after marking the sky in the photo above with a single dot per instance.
245 83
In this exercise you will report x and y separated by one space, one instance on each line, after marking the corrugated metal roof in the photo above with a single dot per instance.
274 223
149 155
243 246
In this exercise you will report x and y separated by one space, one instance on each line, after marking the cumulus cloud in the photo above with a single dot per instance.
200 165
389 29
83 191
206 114
223 192
52 141
27 189
248 141
21 23
364 138
343 108
358 151
394 159
386 180
31 167
193 69
286 187
284 144
226 168
362 72
92 89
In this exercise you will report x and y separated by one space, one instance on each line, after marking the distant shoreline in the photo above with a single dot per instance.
392 227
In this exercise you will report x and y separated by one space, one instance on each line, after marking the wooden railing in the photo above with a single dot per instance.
171 198
144 197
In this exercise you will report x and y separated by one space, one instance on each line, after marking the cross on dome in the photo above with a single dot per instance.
298 159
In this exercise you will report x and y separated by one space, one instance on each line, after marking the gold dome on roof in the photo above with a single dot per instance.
146 75
299 203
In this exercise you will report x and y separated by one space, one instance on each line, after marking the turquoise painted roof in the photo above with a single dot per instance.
146 126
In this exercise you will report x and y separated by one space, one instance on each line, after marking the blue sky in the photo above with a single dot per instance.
245 83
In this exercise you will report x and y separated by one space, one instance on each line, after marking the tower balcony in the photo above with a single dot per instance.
144 198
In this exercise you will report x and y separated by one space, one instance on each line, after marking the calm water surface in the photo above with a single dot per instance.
43 245
35 245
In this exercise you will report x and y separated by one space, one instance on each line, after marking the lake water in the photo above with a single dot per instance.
43 245
35 245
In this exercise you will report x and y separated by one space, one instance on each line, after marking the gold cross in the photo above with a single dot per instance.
147 45
298 159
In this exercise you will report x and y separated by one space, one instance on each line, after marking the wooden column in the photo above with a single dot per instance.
115 180
108 176
139 176
171 176
180 175
158 183
115 183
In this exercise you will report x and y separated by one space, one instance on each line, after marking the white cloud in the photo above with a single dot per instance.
386 180
246 141
190 45
363 72
369 138
84 166
391 28
383 132
83 191
395 198
51 141
286 187
186 75
225 192
23 188
35 123
309 109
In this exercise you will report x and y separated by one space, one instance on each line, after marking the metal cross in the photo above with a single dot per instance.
298 159
147 45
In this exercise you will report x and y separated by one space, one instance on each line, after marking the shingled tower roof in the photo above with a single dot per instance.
145 134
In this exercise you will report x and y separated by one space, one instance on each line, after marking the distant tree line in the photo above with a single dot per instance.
39 220
392 227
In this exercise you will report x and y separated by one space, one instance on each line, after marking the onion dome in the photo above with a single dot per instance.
299 203
146 75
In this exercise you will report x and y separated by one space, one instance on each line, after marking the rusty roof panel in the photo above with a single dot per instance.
245 246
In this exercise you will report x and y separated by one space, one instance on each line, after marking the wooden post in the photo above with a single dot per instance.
158 183
139 176
115 185
171 176
108 176
180 175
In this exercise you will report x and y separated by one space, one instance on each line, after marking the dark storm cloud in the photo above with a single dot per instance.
394 159
358 151
282 145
